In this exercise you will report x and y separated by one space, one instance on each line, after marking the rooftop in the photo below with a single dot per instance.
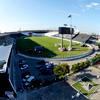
4 55
3 34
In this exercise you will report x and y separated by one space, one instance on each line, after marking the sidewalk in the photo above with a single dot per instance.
82 60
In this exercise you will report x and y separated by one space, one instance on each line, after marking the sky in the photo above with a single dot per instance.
49 14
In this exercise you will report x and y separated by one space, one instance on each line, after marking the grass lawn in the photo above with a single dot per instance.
50 46
85 92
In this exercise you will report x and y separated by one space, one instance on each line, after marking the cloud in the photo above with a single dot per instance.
93 4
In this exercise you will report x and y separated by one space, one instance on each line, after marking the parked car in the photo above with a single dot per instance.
23 66
38 49
41 62
39 67
49 65
21 61
25 74
45 71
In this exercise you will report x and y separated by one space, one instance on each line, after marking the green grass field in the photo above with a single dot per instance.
50 46
79 87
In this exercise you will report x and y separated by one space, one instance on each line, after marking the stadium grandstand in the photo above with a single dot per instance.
83 38
80 37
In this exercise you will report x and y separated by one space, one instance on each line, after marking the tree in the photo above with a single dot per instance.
75 67
61 69
81 65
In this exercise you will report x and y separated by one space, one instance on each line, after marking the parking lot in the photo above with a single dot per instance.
45 90
35 73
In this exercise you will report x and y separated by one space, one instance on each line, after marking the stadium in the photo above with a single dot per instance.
50 42
37 46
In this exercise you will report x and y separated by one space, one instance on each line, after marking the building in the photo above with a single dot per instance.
6 88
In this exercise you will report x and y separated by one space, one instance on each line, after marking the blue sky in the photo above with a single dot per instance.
49 14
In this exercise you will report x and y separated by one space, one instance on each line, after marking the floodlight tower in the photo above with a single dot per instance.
62 42
65 25
71 31
60 31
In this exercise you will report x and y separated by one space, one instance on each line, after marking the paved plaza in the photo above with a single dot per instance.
57 91
63 90
92 74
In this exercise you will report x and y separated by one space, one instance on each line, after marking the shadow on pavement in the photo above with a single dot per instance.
56 91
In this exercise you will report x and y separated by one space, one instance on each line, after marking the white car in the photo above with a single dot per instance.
24 67
48 65
30 78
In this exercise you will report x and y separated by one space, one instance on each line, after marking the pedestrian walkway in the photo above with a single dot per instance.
91 73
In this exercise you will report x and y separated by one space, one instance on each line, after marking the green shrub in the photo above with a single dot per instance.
81 65
95 59
99 45
61 69
75 67
86 63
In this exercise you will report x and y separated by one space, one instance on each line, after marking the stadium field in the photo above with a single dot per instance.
50 45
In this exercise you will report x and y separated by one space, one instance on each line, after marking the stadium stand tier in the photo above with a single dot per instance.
76 37
82 38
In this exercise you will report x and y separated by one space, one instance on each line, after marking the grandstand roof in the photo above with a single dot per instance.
3 34
4 56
